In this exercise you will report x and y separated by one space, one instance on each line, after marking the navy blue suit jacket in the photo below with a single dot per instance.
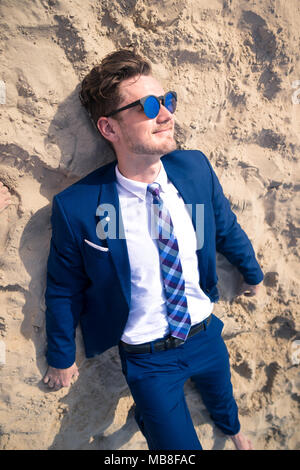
92 287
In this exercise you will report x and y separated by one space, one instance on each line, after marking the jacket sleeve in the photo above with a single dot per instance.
66 282
231 240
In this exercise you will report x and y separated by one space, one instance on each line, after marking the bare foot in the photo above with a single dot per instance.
4 197
241 442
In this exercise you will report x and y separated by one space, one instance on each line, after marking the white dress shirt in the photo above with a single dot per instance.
147 319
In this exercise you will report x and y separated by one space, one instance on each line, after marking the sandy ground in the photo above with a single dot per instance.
236 69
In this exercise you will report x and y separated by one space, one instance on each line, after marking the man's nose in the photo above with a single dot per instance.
164 114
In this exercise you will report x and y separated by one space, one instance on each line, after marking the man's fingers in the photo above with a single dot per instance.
249 293
56 383
50 381
46 379
58 378
248 290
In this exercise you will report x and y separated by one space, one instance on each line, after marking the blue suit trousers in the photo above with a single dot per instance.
156 381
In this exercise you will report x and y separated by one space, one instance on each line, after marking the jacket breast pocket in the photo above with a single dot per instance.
95 251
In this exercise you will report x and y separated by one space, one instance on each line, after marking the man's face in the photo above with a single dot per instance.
136 132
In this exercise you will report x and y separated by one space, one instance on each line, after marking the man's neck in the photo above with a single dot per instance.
140 172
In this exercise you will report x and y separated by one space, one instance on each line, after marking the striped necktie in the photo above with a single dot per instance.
178 317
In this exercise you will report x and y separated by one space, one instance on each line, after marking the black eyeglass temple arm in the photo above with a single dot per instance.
131 105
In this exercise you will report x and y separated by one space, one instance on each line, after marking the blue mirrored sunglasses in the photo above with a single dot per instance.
151 104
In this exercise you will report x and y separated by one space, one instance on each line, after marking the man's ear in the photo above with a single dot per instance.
107 128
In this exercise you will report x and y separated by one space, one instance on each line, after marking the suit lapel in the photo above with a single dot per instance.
185 186
109 206
191 194
194 200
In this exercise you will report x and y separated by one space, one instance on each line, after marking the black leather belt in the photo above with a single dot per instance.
167 343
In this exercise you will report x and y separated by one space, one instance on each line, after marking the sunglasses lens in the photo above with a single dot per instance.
170 102
151 107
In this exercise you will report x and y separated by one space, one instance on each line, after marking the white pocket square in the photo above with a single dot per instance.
101 248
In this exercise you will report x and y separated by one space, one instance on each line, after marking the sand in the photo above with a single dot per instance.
235 66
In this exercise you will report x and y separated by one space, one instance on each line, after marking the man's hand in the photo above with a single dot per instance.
248 289
57 378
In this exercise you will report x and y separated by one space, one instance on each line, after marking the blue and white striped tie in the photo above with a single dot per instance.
176 302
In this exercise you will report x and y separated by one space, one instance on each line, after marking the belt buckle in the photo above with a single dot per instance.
170 342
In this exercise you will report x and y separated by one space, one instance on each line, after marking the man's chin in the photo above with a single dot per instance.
162 149
168 147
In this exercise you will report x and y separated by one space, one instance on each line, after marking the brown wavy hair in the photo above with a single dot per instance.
99 91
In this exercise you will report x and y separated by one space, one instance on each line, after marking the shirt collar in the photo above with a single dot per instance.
139 188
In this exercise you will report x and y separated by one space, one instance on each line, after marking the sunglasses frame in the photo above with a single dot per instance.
141 101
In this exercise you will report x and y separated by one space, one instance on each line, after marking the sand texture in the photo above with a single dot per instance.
235 65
